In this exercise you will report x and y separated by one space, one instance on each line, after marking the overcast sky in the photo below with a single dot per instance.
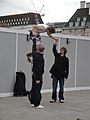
54 10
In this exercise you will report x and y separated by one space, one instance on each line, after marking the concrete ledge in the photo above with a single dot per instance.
49 90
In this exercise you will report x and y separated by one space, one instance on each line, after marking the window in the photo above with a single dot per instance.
82 23
78 19
76 24
70 24
37 22
36 15
26 22
37 19
20 19
84 18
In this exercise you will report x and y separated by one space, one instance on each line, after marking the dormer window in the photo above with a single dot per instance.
84 18
70 24
83 23
76 24
78 19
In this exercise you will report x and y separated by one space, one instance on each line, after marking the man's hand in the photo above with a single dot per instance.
37 81
56 40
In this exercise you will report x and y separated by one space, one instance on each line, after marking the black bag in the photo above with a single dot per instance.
19 87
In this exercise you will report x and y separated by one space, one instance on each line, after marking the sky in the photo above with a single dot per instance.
54 10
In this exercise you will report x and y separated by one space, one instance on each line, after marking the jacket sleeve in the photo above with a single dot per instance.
67 69
38 68
34 46
39 71
55 50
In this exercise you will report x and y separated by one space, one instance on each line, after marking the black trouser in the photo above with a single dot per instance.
61 88
36 91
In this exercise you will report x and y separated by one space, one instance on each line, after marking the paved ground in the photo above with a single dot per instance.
76 105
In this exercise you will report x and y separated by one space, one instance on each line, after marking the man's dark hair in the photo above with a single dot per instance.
51 29
65 50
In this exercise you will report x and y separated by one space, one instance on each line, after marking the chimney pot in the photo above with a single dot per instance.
88 6
82 4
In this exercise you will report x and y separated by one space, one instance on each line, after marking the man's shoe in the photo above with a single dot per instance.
40 107
52 101
32 105
61 101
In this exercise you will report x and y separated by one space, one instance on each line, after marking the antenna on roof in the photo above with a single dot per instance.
42 14
41 11
41 8
34 5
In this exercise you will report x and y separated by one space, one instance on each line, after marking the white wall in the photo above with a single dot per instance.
14 46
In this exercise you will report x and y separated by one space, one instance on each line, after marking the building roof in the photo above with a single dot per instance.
80 18
20 19
57 24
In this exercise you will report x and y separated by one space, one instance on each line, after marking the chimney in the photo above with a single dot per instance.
82 4
88 6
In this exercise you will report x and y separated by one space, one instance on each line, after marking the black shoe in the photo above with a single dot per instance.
52 101
61 101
